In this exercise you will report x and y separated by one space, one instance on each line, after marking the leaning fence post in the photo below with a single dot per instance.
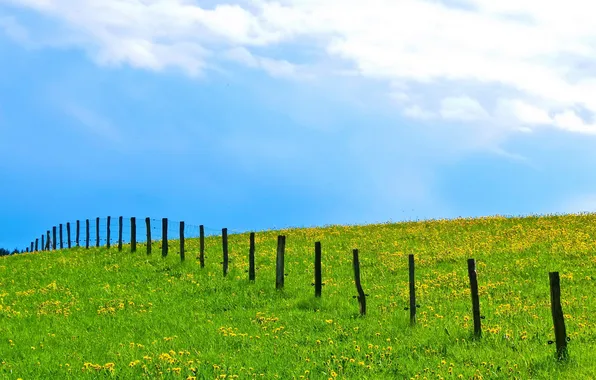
68 234
361 296
133 234
148 225
318 272
181 241
87 237
557 313
475 299
78 231
61 240
251 257
202 245
224 243
280 270
164 237
108 232
412 290
54 238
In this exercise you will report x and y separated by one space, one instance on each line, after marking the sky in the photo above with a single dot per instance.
258 114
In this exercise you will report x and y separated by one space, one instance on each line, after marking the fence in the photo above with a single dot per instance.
64 236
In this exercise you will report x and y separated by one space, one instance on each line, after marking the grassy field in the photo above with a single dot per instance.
107 314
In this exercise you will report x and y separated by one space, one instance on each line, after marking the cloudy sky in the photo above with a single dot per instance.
257 114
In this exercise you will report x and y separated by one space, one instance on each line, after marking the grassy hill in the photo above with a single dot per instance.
101 313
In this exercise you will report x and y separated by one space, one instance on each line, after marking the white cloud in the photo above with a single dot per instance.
521 63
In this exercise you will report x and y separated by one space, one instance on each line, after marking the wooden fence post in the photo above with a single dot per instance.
475 299
43 245
61 240
68 234
54 238
108 232
31 250
361 296
202 245
181 241
97 232
251 257
412 290
87 237
318 272
164 237
48 241
120 222
558 318
36 244
78 231
224 243
279 269
148 225
133 234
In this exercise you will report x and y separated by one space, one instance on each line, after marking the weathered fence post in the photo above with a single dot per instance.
87 231
68 234
97 232
108 232
412 290
202 245
164 237
475 299
78 231
133 234
43 244
251 257
318 271
31 250
36 244
120 222
54 238
557 313
61 240
181 241
48 241
148 225
361 296
224 244
279 269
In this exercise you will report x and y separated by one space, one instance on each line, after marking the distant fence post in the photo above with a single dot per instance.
475 299
120 221
318 271
54 238
181 241
36 244
87 231
97 232
279 268
78 231
224 243
43 244
68 234
202 245
108 232
164 237
361 296
412 290
557 313
31 250
133 234
48 241
251 258
148 226
61 240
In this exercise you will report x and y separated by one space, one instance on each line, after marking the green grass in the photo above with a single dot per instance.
98 314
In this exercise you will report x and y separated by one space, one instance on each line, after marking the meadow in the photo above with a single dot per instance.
100 313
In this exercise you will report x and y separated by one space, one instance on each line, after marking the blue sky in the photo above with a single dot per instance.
257 115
